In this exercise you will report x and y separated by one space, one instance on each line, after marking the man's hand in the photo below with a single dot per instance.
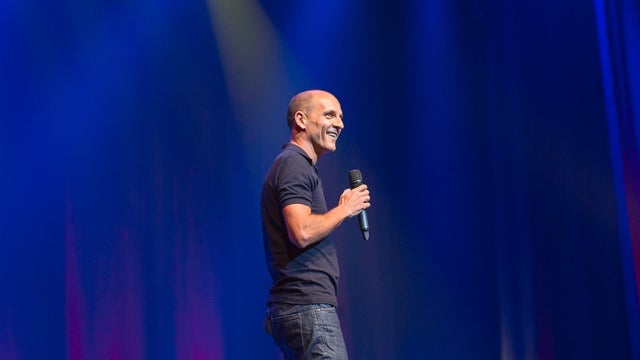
355 200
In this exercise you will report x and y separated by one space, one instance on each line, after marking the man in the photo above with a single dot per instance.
301 258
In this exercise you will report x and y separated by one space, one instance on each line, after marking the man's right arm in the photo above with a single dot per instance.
305 228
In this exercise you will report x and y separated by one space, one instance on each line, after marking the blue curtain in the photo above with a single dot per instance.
619 37
499 139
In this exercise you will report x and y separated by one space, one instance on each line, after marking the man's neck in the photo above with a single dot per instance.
308 148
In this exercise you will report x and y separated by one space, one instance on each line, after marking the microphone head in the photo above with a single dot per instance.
355 178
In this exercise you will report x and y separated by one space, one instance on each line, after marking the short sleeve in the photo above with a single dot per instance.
295 183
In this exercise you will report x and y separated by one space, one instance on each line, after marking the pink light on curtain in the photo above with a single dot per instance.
118 314
197 326
111 326
75 305
7 346
198 333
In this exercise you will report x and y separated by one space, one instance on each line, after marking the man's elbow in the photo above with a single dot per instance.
300 239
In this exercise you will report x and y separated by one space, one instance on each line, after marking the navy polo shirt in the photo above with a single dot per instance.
300 276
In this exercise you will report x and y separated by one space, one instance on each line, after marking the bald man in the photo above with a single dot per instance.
300 255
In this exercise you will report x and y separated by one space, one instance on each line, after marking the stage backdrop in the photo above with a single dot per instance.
499 140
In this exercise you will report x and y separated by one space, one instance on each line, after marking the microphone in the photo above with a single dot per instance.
355 180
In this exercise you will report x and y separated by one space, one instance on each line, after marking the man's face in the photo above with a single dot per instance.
324 123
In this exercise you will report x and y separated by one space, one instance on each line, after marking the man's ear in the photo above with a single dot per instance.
301 120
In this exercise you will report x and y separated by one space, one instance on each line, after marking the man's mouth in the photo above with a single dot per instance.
332 134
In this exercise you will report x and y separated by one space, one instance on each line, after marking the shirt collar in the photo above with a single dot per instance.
298 149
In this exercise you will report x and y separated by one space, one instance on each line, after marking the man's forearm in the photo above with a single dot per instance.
305 228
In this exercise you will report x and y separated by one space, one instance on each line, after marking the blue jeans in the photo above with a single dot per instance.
306 331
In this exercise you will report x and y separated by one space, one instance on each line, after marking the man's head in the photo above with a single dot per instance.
315 120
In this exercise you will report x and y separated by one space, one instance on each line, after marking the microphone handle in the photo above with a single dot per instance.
364 224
